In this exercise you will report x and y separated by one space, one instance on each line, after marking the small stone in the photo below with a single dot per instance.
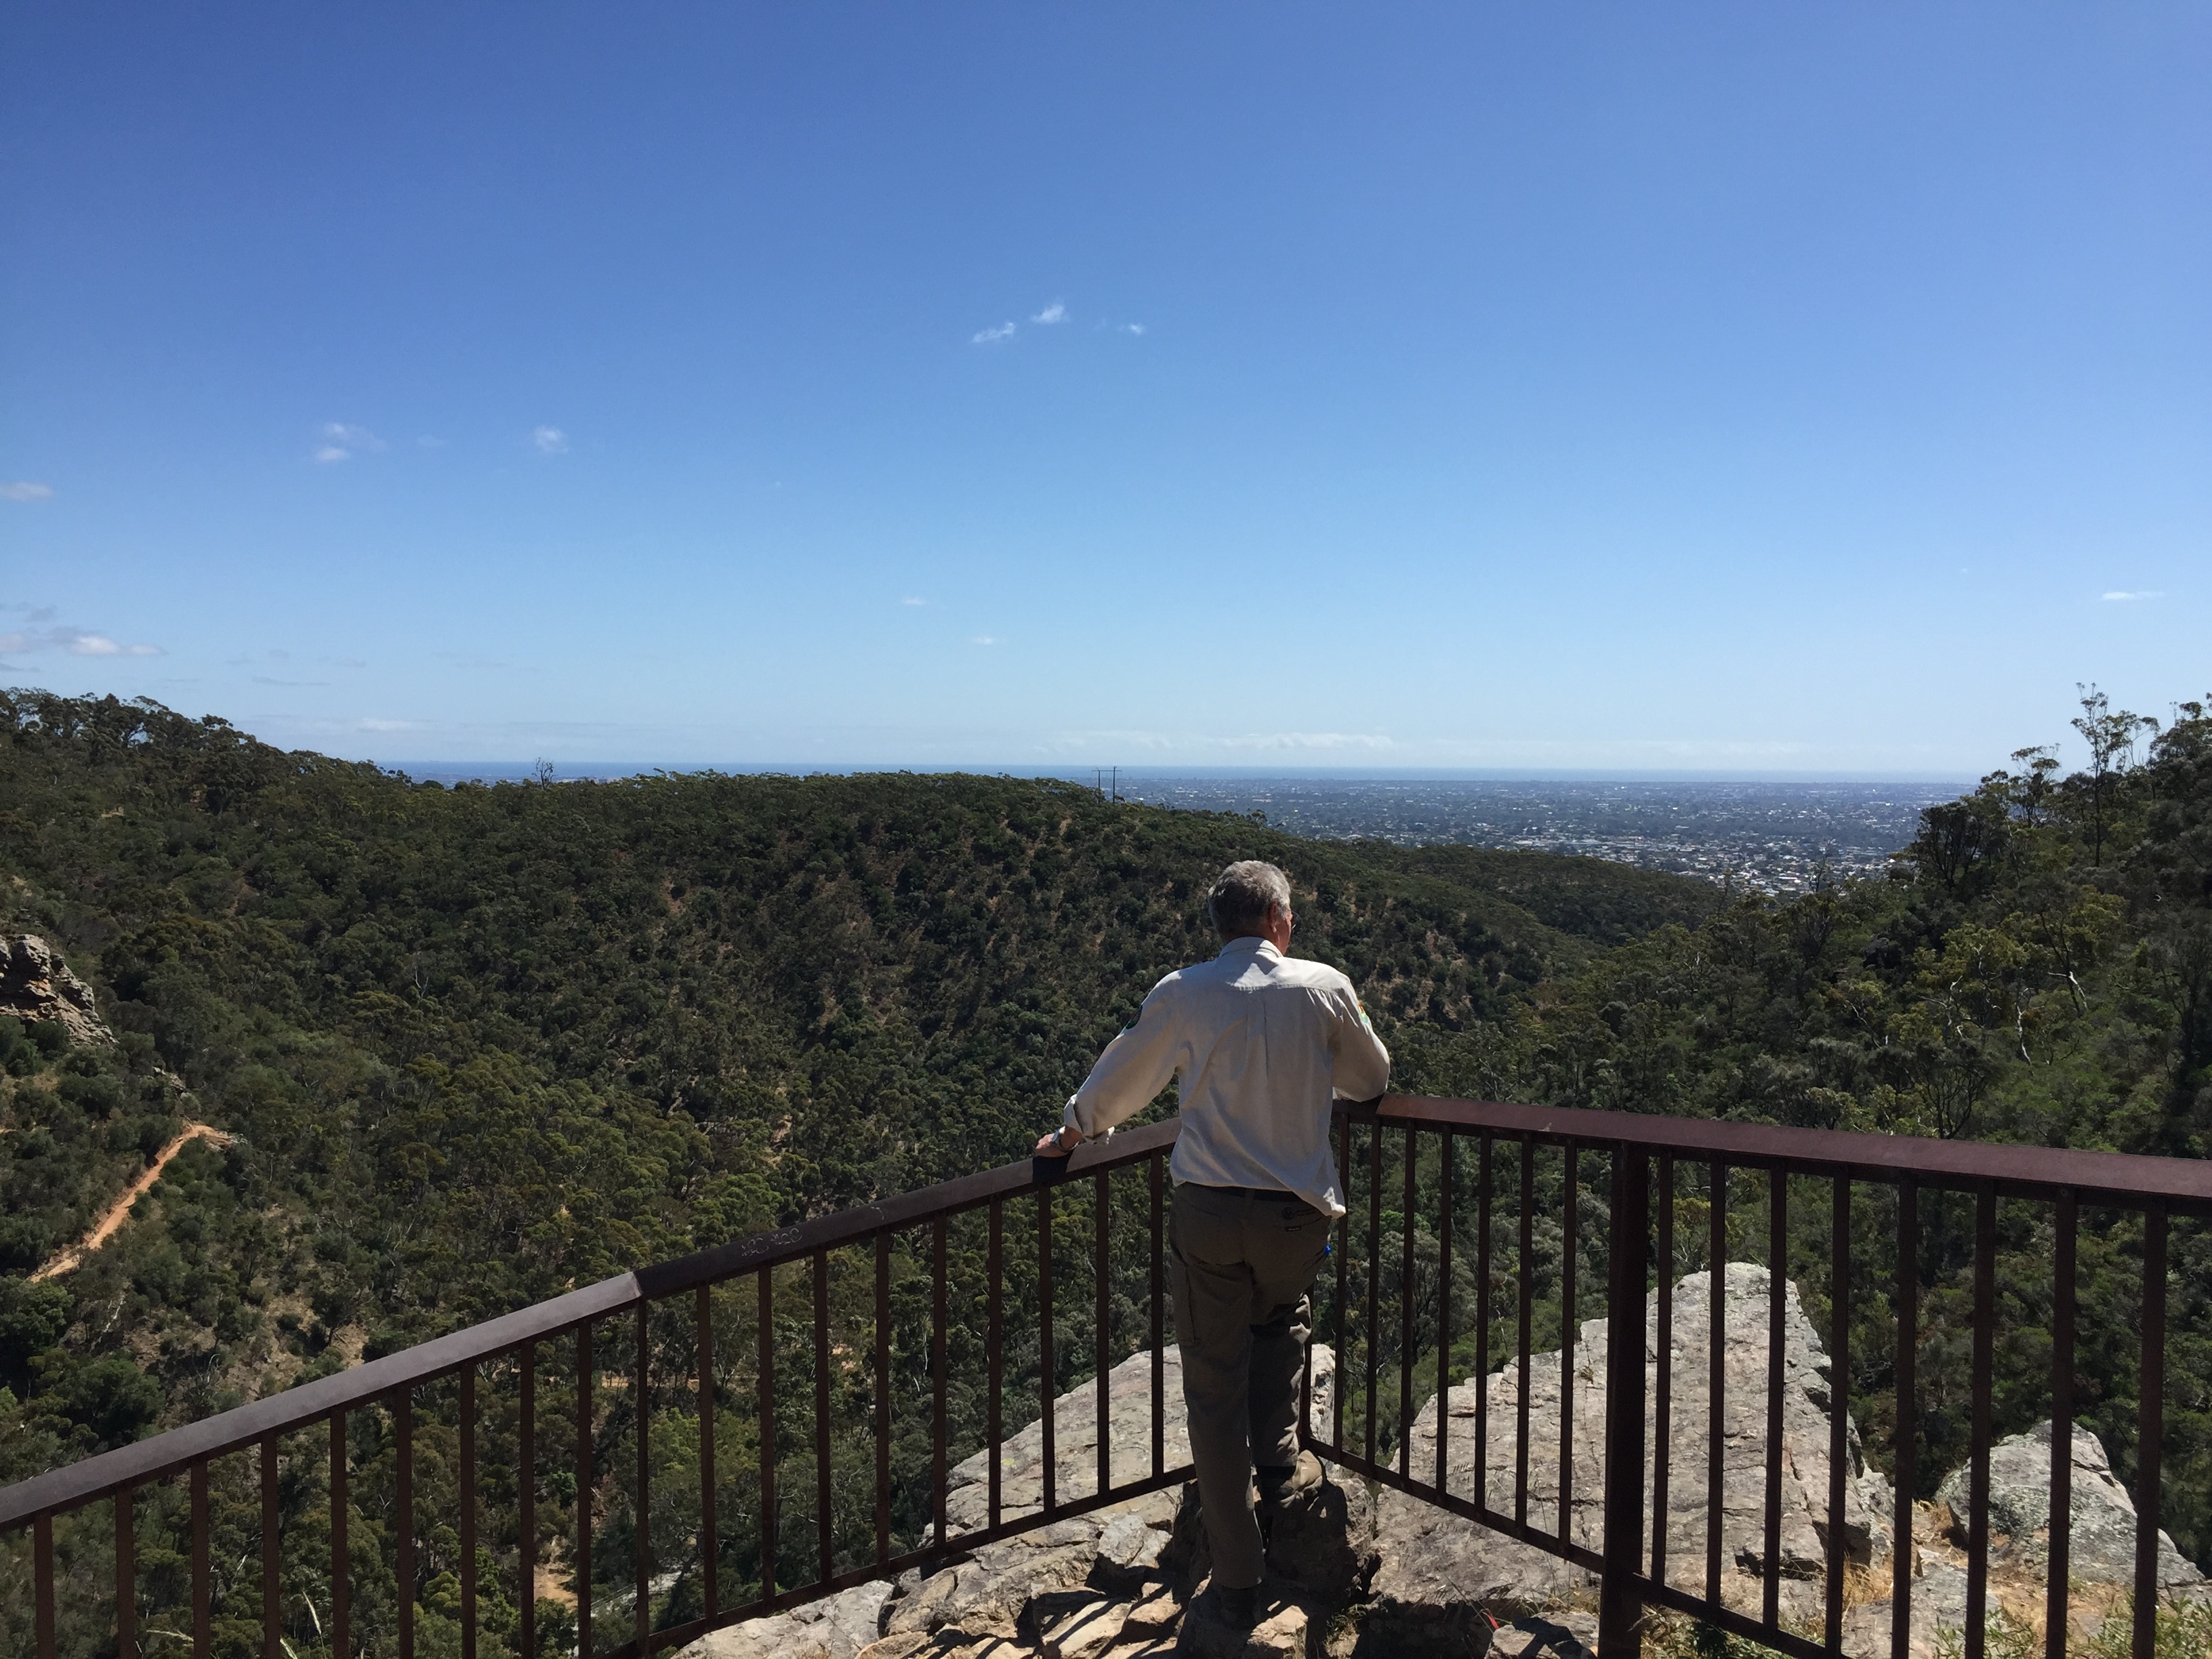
1077 1626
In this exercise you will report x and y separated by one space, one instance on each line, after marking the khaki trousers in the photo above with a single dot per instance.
1242 1265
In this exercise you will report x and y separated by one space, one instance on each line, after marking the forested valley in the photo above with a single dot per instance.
469 1048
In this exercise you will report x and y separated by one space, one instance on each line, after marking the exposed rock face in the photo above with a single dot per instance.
1432 1560
1119 1581
1356 1574
2101 1517
835 1628
35 984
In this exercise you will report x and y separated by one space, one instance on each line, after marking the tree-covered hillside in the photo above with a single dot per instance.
475 1045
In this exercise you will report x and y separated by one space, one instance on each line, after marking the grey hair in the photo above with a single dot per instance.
1243 894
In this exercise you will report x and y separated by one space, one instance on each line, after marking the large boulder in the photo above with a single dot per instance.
1437 1566
2101 1530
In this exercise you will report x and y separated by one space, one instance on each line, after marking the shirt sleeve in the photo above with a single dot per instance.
1136 1065
1359 1066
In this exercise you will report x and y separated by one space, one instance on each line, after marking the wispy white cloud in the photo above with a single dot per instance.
985 639
24 490
343 441
1054 312
1133 328
913 600
369 725
2123 594
550 440
998 336
77 642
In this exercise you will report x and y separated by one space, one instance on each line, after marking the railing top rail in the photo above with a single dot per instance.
2123 1179
95 1478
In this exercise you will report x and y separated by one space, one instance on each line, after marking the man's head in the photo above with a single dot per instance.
1249 897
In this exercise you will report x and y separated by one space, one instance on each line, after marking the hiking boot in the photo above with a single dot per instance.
1280 1489
1239 1609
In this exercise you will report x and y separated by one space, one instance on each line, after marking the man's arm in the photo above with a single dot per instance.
1135 1066
1359 1065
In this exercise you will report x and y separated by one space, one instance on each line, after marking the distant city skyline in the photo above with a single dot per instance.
1708 390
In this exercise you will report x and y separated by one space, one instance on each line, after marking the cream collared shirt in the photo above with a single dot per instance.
1258 1043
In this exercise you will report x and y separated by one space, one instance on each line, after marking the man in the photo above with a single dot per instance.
1259 1045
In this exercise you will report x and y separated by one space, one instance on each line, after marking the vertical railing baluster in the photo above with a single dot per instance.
824 1521
1662 1382
1155 1175
641 1503
993 1429
1905 1445
1839 1398
710 1541
468 1512
1443 1304
402 1520
1778 1288
1341 1384
1046 1387
883 1396
1571 1160
42 1585
1619 1603
940 1339
2150 1431
341 1566
525 1505
1978 1444
272 1599
766 1410
1101 1289
1482 1270
1716 1373
203 1600
1528 1289
2065 1226
126 1579
1405 1339
1374 1274
581 1584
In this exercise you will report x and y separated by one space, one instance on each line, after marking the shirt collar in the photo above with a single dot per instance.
1251 944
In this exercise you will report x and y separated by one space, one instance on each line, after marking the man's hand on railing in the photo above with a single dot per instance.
1060 1143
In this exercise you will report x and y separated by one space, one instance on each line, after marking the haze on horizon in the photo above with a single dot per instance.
1706 390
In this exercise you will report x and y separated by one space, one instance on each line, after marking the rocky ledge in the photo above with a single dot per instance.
1358 1573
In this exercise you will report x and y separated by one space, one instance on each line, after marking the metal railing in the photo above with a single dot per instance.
717 1531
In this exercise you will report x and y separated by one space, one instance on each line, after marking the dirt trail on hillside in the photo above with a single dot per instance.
119 1212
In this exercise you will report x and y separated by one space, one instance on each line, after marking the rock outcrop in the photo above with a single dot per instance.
2101 1516
2101 1553
1119 1581
1435 1561
1356 1574
35 984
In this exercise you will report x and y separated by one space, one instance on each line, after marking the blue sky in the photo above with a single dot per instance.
1741 387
